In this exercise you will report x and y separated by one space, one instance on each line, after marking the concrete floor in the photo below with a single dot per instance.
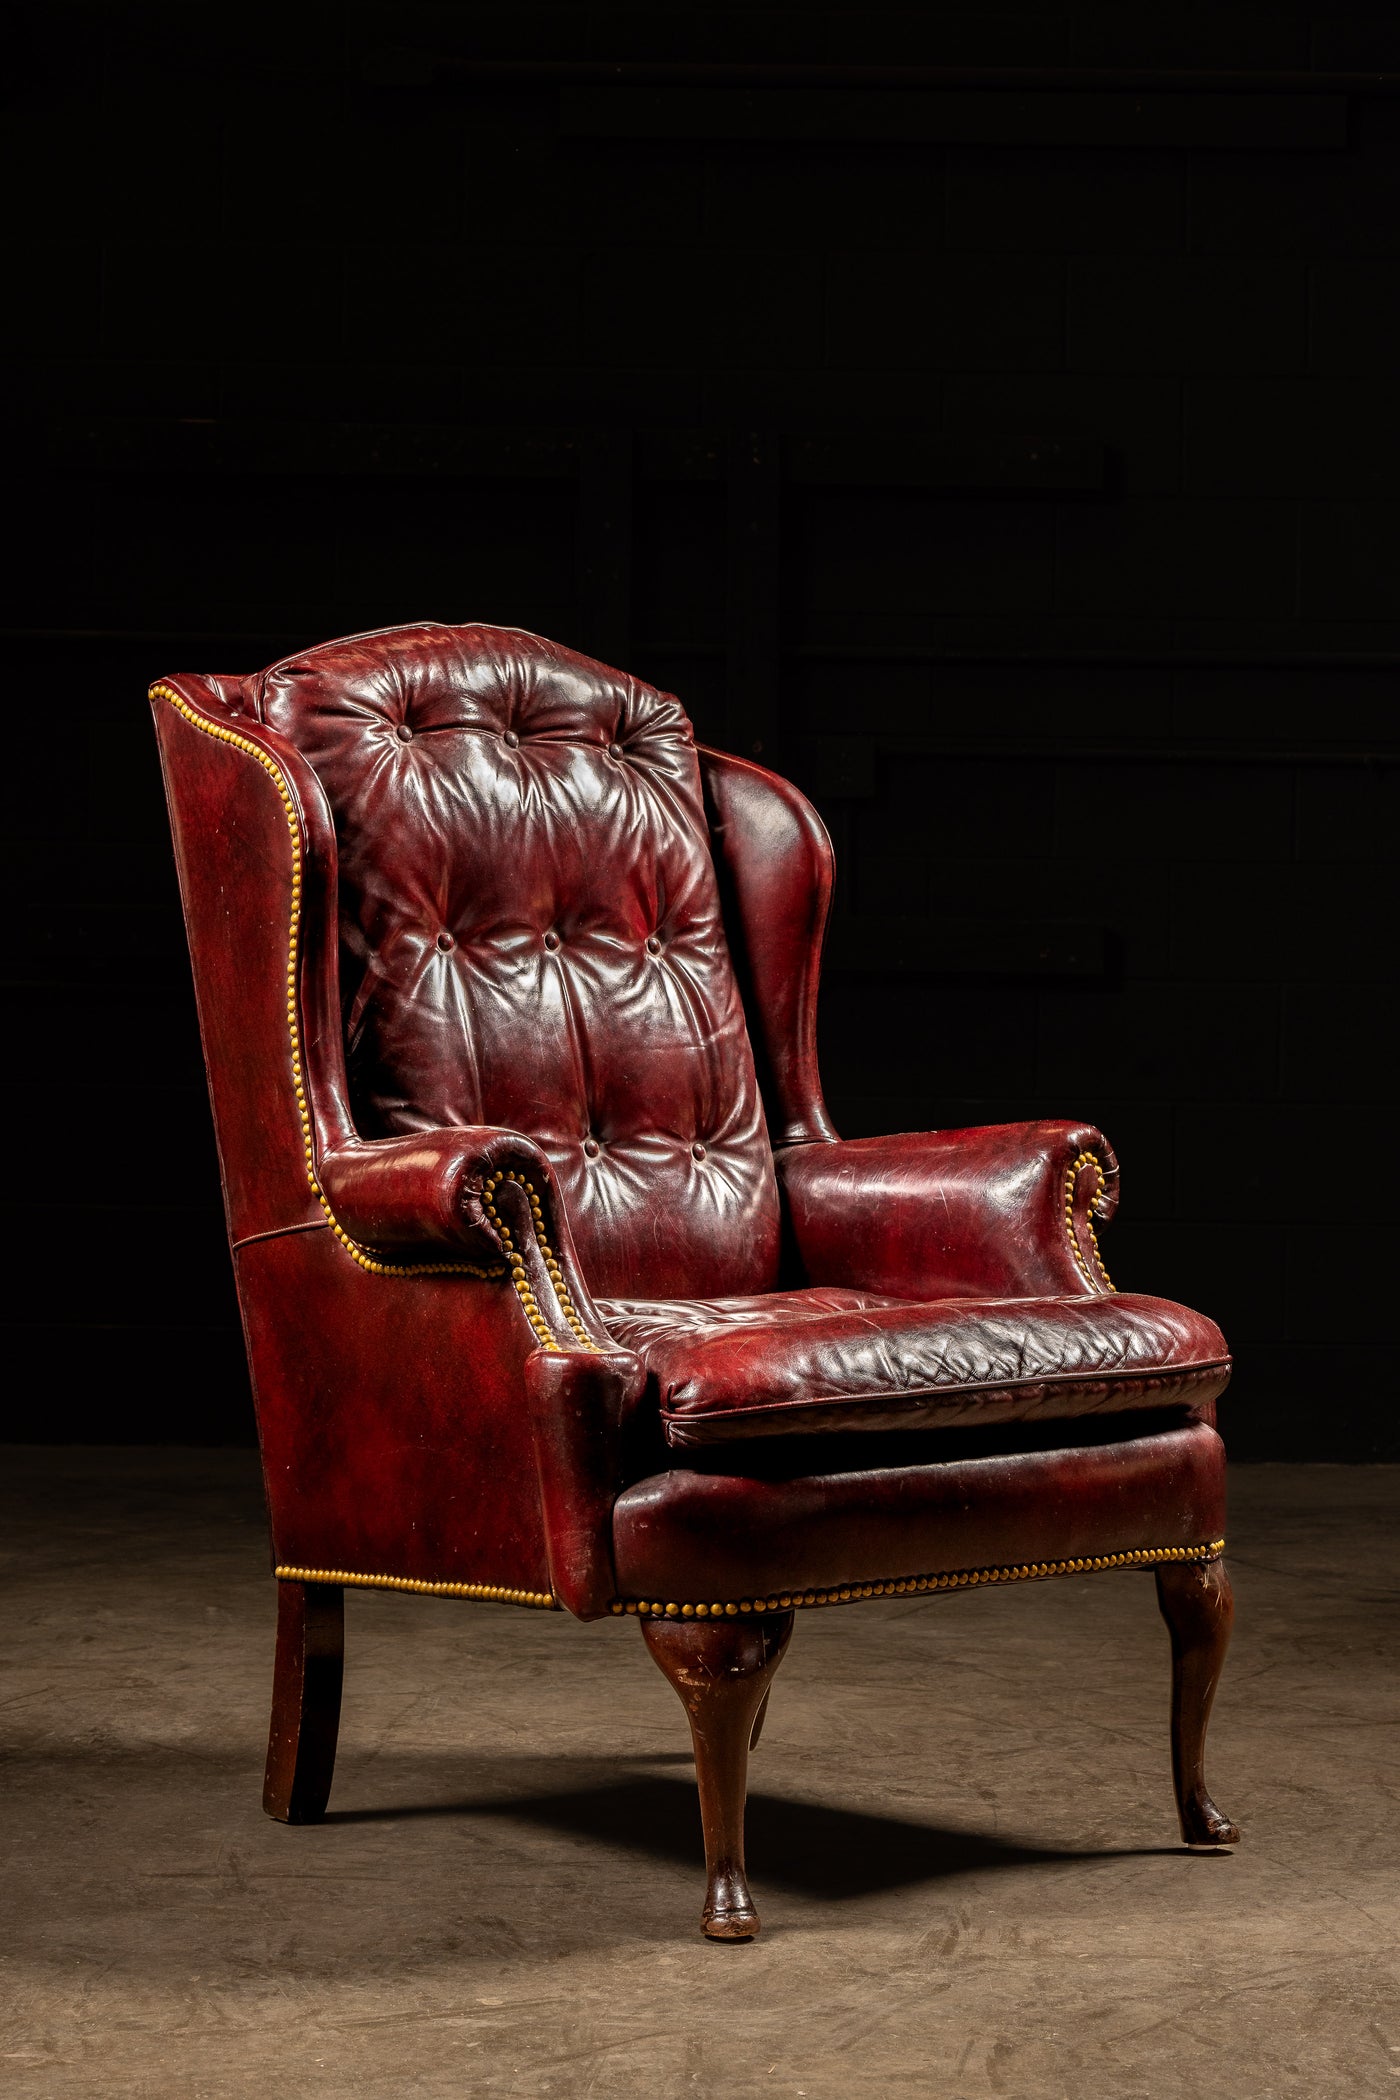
961 1832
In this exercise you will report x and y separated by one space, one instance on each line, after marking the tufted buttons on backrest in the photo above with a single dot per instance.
531 936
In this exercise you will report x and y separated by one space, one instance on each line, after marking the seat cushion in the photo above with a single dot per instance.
797 1362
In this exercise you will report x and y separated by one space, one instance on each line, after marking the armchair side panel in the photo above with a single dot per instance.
397 1441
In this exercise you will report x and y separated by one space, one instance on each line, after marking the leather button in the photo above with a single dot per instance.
653 945
591 1147
445 941
404 733
551 941
616 751
697 1151
510 740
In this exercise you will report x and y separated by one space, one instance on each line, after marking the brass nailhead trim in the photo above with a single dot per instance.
917 1585
484 1592
517 1265
352 1247
1087 1159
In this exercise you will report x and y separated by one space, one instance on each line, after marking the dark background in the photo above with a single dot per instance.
988 418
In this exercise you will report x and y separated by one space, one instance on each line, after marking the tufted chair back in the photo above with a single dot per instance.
530 935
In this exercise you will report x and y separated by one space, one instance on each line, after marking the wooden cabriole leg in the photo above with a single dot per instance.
305 1700
759 1718
722 1670
1199 1608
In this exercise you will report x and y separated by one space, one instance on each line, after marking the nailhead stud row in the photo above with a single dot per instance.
1085 1160
352 1247
917 1585
483 1592
547 1256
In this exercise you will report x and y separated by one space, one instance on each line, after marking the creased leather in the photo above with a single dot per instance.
808 1362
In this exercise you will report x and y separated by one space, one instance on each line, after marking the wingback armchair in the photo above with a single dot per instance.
559 1288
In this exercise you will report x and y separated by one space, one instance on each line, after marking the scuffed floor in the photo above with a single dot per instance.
961 1834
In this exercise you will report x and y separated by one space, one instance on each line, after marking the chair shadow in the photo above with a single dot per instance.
802 1846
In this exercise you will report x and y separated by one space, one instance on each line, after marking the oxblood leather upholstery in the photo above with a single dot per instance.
809 1362
695 1537
552 985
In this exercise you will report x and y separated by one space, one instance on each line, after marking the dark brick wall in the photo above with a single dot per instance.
1010 459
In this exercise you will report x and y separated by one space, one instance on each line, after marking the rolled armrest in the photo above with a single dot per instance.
1005 1210
483 1196
426 1190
